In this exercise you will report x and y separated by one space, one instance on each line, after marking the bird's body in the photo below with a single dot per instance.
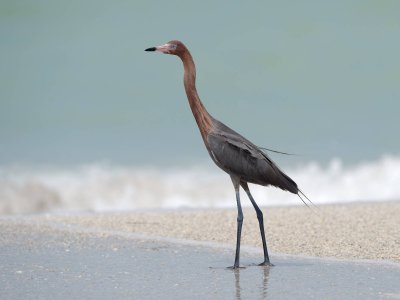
251 163
233 153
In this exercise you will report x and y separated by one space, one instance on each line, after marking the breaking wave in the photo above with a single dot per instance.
102 187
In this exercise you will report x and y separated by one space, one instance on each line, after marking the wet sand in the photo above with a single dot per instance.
44 259
363 231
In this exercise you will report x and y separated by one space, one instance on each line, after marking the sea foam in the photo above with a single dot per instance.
104 187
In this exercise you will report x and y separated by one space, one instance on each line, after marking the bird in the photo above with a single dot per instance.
242 160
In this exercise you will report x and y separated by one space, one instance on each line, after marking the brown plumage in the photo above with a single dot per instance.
237 156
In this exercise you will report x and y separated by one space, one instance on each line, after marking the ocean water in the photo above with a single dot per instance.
103 187
317 79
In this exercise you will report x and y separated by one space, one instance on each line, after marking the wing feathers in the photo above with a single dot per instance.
238 156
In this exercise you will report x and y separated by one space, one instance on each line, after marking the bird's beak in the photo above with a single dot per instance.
163 48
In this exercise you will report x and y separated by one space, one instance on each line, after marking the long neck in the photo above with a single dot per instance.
203 118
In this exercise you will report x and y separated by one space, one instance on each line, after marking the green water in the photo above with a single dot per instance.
315 78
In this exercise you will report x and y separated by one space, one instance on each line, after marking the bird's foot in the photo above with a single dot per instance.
235 267
266 263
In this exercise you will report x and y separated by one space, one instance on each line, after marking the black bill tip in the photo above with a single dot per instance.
151 49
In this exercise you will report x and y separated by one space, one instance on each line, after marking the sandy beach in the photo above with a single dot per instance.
359 230
153 255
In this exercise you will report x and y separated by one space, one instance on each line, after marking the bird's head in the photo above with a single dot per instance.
172 47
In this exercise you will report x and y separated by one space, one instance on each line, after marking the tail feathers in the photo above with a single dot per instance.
288 184
280 179
301 193
292 187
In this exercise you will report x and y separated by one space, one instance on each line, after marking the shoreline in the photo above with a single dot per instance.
55 260
346 231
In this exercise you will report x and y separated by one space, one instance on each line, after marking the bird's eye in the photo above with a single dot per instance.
173 46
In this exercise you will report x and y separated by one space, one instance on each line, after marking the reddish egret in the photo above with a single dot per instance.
237 156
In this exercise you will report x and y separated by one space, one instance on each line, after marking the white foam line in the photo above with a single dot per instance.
100 187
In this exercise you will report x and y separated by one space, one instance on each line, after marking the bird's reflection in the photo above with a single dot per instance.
237 283
263 288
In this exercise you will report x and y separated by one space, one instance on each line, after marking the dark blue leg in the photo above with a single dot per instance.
260 218
239 221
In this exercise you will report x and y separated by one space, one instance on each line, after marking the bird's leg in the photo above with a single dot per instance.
239 229
236 183
260 218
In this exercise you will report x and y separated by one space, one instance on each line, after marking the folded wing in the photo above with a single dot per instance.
238 156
